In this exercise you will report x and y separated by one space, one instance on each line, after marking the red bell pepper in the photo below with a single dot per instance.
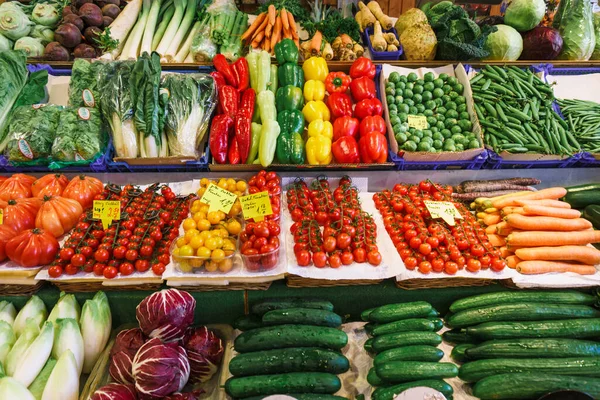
243 124
229 99
345 150
219 83
373 123
373 148
221 65
339 105
362 67
337 82
368 107
345 126
220 129
242 73
363 88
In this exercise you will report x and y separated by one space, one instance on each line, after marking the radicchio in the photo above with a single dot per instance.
185 396
115 391
166 314
205 351
160 369
126 346
541 43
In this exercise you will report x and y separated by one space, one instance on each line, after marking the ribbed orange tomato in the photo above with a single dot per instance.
83 189
6 233
20 214
49 185
32 248
17 186
58 215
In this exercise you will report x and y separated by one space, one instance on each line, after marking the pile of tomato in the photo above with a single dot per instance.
430 245
330 228
140 240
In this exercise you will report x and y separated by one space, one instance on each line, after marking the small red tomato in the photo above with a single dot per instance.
374 257
146 250
131 255
303 258
110 272
343 241
126 268
99 268
87 251
101 255
424 267
71 269
55 271
158 268
119 252
335 261
164 258
66 254
78 260
142 265
347 258
360 255
320 259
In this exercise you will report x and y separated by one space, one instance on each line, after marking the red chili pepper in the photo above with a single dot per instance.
221 65
220 129
345 150
374 123
362 67
247 103
339 105
241 71
367 107
373 148
363 88
337 82
229 99
243 124
345 126
234 153
219 83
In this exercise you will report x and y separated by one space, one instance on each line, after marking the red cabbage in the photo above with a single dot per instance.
166 314
541 43
115 391
126 346
185 396
205 351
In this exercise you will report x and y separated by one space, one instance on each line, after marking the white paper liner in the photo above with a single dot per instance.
560 280
506 273
580 87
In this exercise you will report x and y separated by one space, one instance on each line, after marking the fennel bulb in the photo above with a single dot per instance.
66 307
11 389
96 324
63 383
34 309
36 355
68 338
7 340
14 356
7 312
37 386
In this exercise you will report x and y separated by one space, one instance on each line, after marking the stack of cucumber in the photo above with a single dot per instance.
405 344
522 345
288 346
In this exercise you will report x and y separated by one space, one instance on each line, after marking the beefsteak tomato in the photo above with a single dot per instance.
20 214
6 233
32 248
83 189
17 186
49 185
58 215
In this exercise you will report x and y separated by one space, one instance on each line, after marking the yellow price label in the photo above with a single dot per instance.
1 216
256 206
444 210
218 199
107 211
417 122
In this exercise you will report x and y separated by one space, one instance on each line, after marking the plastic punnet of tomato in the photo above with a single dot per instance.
260 246
268 182
237 186
204 254
201 219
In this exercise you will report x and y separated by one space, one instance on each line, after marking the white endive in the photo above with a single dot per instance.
36 355
63 383
67 337
96 324
32 330
7 312
37 386
11 389
34 309
66 307
7 340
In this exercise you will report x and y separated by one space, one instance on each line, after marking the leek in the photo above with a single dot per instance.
185 47
7 312
7 340
165 42
188 19
2 373
37 386
96 323
15 354
68 338
36 355
34 309
12 389
66 307
63 383
162 27
150 27
132 46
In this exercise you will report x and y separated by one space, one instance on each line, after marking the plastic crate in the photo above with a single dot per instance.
200 165
382 55
475 164
587 160
572 71
495 161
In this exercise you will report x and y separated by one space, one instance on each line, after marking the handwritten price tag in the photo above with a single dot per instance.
218 199
417 122
1 216
444 210
256 206
107 211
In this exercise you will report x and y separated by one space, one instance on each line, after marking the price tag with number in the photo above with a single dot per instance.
218 199
417 122
107 211
1 216
444 210
256 206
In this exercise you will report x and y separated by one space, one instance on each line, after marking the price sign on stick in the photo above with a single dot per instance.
218 199
417 122
107 211
256 206
1 216
444 210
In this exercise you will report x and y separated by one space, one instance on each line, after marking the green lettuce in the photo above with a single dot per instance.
13 70
83 88
79 136
31 133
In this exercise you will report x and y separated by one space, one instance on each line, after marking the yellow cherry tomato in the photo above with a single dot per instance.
203 225
185 266
211 266
198 216
188 224
204 182
220 232
196 263
236 209
228 245
204 208
196 242
200 192
181 241
222 215
175 252
219 241
186 251
214 217
190 234
231 184
203 252
211 243
222 183
241 186
217 254
226 265
205 235
234 227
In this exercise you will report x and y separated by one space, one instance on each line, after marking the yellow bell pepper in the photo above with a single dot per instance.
318 150
316 110
314 90
320 127
315 68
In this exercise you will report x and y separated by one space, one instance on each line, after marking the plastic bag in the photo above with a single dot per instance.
192 100
596 53
79 136
83 87
577 30
203 49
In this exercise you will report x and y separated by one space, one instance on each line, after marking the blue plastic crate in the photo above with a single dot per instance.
382 55
474 164
572 71
495 161
587 160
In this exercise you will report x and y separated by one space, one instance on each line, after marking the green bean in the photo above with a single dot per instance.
487 84
490 109
476 78
500 71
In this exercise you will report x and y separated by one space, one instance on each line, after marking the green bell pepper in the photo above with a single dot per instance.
289 98
286 52
290 74
290 148
291 121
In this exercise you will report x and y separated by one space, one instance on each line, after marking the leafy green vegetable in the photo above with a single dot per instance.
34 91
31 133
79 135
577 30
83 88
293 6
13 70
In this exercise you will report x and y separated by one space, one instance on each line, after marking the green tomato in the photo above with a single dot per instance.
429 77
412 77
409 146
394 77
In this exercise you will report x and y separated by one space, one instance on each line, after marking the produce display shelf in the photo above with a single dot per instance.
495 161
477 163
382 55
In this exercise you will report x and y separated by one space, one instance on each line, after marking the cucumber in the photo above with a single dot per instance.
301 359
409 353
437 323
302 396
388 393
373 379
365 314
457 336
369 327
405 325
396 312
369 345
572 328
302 316
393 340
277 304
477 370
520 312
300 382
491 299
247 322
406 371
538 348
592 214
459 352
284 336
531 385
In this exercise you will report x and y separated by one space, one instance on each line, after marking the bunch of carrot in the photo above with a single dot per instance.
537 233
270 27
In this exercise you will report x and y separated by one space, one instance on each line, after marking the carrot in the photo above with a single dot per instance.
547 223
284 18
292 22
254 26
505 252
297 41
287 34
258 39
315 44
294 34
512 261
272 14
276 35
267 44
261 28
491 228
511 210
545 202
491 219
550 193
503 229
568 213
542 267
496 240
268 30
543 238
583 254
491 210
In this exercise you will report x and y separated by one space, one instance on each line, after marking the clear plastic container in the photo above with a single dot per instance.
261 262
206 265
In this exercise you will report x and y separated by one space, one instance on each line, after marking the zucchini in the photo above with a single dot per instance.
406 371
301 359
396 312
300 382
477 370
491 299
583 198
409 353
265 306
531 385
592 214
369 345
530 348
373 379
365 314
574 328
393 340
302 316
247 322
457 336
520 312
284 336
405 325
459 353
302 396
437 323
388 393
